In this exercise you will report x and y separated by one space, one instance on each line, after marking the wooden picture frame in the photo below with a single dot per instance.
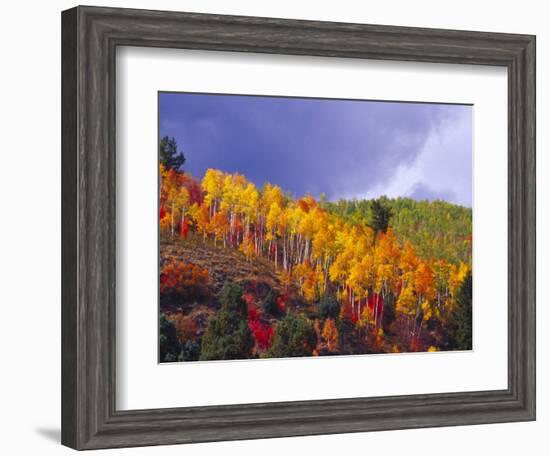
90 37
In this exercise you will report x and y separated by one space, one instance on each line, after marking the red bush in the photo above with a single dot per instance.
187 280
249 298
281 302
253 314
262 332
184 229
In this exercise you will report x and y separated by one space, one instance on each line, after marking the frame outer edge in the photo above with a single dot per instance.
70 422
529 116
89 420
522 235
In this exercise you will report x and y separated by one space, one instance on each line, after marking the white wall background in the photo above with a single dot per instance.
30 252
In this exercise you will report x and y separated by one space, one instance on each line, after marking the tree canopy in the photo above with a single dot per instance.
228 335
294 336
169 156
358 276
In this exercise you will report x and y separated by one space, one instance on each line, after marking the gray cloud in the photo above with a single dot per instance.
340 148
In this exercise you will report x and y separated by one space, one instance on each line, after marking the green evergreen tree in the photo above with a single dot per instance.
227 335
169 344
294 336
169 155
328 306
231 299
270 305
380 216
190 351
347 337
464 315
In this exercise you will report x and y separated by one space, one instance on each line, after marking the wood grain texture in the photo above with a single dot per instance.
69 281
89 39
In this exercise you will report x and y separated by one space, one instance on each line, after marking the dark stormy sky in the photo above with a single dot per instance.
345 149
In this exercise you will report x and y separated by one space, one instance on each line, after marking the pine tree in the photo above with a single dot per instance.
169 156
294 336
380 216
228 335
169 343
464 314
329 307
270 305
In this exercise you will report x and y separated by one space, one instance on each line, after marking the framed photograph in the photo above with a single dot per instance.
330 265
280 228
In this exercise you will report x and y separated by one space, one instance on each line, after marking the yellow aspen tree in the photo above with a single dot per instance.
212 184
251 199
272 221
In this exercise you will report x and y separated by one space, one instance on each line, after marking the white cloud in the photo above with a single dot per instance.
443 167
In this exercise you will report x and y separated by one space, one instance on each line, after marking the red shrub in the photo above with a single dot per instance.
186 280
184 229
253 314
262 332
249 298
281 302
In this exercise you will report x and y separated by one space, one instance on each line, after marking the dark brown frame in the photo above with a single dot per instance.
90 36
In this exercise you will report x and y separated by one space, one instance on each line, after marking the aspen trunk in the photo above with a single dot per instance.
172 221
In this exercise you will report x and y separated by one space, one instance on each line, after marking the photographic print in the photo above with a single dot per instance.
298 227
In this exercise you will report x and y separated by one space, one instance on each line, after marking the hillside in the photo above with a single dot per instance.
222 264
436 229
249 272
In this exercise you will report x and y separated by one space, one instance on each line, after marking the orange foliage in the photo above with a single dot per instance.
330 334
186 279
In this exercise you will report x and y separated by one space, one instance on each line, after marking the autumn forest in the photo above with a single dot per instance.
250 271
